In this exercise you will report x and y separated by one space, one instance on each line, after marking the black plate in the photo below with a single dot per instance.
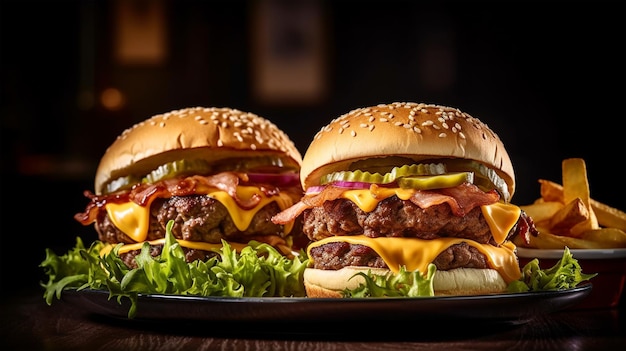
512 309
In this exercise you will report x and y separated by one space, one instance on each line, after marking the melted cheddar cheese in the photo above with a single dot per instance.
416 254
133 219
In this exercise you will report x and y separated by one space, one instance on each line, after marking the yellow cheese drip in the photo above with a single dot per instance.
500 217
416 254
184 243
133 219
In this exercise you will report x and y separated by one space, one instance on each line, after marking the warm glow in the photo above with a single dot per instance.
112 99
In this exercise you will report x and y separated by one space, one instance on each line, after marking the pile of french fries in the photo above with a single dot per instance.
566 215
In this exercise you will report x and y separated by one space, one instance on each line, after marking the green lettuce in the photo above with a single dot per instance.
259 270
565 274
402 284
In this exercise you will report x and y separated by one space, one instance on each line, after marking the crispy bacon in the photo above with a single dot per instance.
142 194
462 199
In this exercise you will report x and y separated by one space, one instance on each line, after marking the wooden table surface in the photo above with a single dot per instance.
29 324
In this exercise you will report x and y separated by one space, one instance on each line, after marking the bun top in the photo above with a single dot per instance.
412 130
209 134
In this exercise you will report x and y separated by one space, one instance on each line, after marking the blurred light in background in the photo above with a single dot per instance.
112 99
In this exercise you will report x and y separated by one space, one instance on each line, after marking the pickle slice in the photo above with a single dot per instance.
389 177
485 178
448 180
264 164
121 183
176 168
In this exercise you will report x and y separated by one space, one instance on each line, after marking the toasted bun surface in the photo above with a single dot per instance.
460 281
193 133
417 131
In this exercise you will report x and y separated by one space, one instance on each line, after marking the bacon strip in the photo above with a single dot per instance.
462 199
142 193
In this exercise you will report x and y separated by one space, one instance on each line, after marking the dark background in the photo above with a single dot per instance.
548 77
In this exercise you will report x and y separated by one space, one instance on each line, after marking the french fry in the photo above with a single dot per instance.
541 211
551 191
573 213
566 215
607 216
610 237
550 241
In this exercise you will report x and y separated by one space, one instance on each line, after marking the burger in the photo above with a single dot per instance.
408 187
218 174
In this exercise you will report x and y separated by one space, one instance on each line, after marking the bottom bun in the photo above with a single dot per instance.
460 281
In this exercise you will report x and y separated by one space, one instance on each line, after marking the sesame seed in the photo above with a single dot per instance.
372 127
353 133
383 119
363 125
443 135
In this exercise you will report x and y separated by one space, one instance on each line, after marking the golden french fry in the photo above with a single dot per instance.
576 185
547 240
567 217
609 237
607 216
541 211
551 191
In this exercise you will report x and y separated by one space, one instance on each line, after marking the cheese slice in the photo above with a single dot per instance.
416 254
133 219
184 243
500 217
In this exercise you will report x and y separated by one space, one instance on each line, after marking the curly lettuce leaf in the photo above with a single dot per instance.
565 274
401 284
259 270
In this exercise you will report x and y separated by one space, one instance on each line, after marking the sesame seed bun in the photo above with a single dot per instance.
193 133
417 131
460 281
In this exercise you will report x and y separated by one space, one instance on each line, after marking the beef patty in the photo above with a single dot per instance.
196 218
394 217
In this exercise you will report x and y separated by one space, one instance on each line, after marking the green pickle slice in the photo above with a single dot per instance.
267 164
448 180
422 169
176 168
435 175
485 178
